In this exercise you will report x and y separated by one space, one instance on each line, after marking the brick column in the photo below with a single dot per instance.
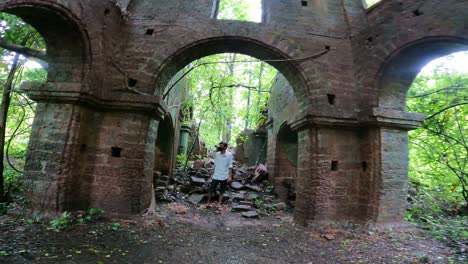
86 152
390 151
51 154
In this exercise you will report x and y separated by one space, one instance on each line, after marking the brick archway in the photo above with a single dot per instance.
68 47
231 44
286 164
55 185
403 65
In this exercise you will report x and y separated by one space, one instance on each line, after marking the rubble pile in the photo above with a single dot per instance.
249 193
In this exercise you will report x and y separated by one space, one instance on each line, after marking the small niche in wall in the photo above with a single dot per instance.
304 3
417 12
116 152
364 166
132 82
331 98
149 31
334 165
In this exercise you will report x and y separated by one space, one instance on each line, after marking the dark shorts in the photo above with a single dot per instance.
222 186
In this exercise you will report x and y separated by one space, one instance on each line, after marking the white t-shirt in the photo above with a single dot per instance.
222 165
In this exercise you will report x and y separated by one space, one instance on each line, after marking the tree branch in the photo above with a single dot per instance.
440 90
445 109
25 51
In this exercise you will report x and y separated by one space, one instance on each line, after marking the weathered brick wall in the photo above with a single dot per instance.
107 61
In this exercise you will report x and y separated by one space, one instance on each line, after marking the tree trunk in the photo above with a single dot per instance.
228 131
6 97
248 98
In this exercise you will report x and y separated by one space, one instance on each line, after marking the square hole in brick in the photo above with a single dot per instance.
132 82
331 99
149 31
304 3
334 165
417 12
364 166
116 152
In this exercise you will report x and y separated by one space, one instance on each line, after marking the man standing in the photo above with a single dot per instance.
222 173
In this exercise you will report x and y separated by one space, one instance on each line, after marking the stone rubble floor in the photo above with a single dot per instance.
184 233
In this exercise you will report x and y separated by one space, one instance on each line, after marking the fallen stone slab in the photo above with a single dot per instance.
280 206
241 208
237 185
238 197
197 180
249 203
252 196
250 214
195 198
253 187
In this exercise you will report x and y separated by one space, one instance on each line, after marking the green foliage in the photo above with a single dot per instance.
92 215
181 159
115 226
243 10
4 207
439 218
439 150
439 153
371 3
68 219
62 223
21 111
228 93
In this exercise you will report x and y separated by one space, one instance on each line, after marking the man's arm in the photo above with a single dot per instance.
230 169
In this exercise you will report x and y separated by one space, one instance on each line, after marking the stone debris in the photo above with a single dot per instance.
195 198
253 187
241 207
237 185
249 203
329 237
250 214
198 181
249 193
280 206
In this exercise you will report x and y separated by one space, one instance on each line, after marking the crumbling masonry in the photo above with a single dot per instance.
94 135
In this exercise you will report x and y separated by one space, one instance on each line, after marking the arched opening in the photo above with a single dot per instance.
286 164
169 84
66 58
404 64
67 45
437 148
163 157
241 45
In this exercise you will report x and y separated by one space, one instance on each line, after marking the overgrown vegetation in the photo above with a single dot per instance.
17 111
230 92
67 219
439 152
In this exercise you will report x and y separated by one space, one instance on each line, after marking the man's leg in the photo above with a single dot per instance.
211 190
223 188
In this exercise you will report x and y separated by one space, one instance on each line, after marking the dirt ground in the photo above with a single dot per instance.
181 233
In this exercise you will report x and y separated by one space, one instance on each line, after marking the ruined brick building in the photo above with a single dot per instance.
343 112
